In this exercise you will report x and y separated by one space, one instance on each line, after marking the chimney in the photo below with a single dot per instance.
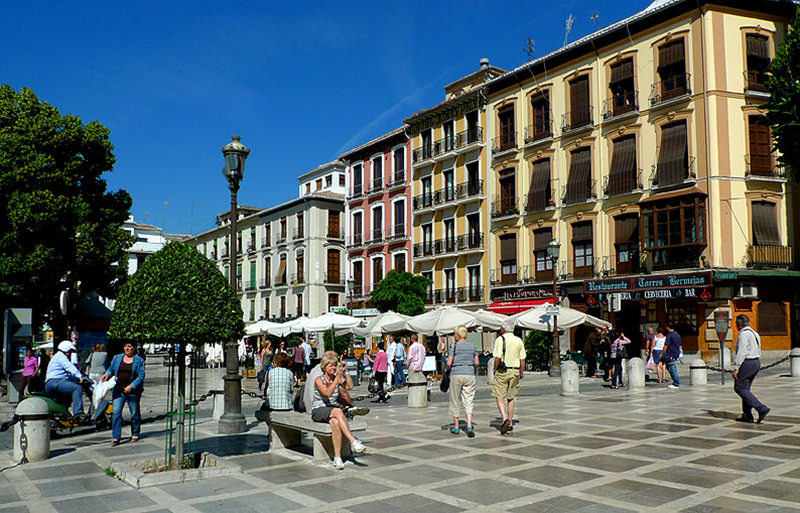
484 63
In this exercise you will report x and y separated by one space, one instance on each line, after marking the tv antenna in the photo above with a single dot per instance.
568 28
530 48
594 17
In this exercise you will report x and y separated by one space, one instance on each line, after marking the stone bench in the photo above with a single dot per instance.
285 428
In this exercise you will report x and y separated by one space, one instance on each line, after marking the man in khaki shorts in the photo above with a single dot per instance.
510 351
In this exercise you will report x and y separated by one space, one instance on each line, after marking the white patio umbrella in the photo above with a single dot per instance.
440 321
376 326
331 321
490 320
260 327
537 318
286 328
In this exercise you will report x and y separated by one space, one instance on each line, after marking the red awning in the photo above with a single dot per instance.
512 307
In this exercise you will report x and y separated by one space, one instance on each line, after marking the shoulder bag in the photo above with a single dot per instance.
501 367
444 386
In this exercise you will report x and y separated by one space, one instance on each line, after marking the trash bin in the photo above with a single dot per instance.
354 370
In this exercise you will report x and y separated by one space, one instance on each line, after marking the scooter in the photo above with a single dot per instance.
61 417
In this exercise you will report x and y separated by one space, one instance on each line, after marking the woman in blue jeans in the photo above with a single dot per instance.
129 370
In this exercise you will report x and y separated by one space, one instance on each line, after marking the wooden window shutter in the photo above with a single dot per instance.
622 174
671 53
542 238
579 181
539 193
508 247
673 155
582 232
765 224
621 71
626 229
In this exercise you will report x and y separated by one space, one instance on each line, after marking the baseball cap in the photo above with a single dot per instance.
66 346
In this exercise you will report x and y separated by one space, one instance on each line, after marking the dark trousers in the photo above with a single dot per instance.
380 377
591 365
617 377
744 380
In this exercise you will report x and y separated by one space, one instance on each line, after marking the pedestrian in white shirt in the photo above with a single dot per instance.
747 364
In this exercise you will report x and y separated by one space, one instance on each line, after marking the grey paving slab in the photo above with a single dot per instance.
71 469
420 474
543 452
794 474
702 477
340 489
696 442
205 488
590 442
403 503
639 493
16 509
103 503
80 485
655 451
264 501
774 489
722 504
736 462
486 462
296 473
552 475
8 494
568 505
260 459
609 463
769 451
429 451
487 491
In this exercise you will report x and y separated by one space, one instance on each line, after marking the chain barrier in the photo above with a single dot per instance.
717 369
23 443
7 424
377 394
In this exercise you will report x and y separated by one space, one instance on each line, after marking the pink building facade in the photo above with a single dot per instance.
378 212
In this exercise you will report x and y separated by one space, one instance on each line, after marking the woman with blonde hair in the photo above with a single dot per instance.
461 364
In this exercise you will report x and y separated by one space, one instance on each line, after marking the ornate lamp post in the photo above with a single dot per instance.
553 249
232 420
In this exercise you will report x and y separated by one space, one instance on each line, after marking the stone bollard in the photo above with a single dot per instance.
698 372
635 373
219 402
417 389
794 361
727 360
570 378
32 432
490 371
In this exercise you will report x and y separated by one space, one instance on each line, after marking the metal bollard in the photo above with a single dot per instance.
32 432
570 378
794 361
417 390
698 372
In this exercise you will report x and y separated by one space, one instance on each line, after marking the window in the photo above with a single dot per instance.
450 285
508 258
475 290
333 301
508 195
621 86
400 262
267 313
507 131
582 249
319 184
308 188
267 235
541 128
474 133
358 179
400 165
539 195
300 222
427 143
579 181
673 155
427 193
377 173
449 136
760 157
299 304
449 185
341 180
377 224
544 265
757 47
358 278
579 110
252 309
377 270
239 243
674 231
683 314
474 231
622 177
329 181
280 278
772 318
671 71
283 307
267 271
474 184
358 228
251 246
626 243
449 241
333 224
283 229
427 239
765 224
333 267
300 264
429 290
399 219
251 285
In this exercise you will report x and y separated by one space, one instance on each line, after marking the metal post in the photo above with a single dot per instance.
721 324
722 358
555 368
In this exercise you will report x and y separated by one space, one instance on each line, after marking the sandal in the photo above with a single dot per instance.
114 443
470 432
134 439
455 431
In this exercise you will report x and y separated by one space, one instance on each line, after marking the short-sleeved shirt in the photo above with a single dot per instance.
299 354
279 390
515 349
463 354
673 344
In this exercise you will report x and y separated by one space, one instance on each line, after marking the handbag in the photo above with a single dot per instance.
501 366
622 352
444 385
651 365
372 387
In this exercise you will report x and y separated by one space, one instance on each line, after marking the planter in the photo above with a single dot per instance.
145 473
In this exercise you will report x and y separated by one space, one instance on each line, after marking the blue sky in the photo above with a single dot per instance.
301 82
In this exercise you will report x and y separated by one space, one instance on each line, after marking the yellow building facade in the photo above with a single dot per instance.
642 149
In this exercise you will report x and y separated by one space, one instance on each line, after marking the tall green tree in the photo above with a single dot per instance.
59 226
401 292
784 104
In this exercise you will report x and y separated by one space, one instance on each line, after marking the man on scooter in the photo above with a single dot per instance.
63 377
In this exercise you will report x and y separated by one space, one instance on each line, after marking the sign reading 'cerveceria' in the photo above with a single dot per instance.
667 281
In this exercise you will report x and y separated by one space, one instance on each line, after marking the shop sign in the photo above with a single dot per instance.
642 283
522 294
365 312
704 294
725 275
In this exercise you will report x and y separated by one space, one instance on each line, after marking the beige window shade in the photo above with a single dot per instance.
582 232
508 247
622 174
621 71
539 193
673 155
765 224
671 53
757 46
542 238
626 229
580 175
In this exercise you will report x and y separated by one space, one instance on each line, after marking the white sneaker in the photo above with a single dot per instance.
673 386
357 447
338 464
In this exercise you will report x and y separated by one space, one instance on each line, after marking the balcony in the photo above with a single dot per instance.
469 242
577 193
212 255
398 179
263 283
539 201
422 201
424 249
360 290
423 153
623 183
622 264
251 247
444 145
473 294
686 173
534 133
250 285
577 119
355 240
578 269
265 242
469 136
444 195
399 233
497 278
297 278
376 185
469 189
671 88
239 284
428 299
445 295
375 236
624 102
280 280
755 81
281 239
335 234
334 278
298 233
503 143
769 256
505 207
357 192
761 165
445 245
542 275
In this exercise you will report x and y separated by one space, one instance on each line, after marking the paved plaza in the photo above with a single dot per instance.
603 451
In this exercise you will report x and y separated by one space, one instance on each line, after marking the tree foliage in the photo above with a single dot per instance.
59 226
538 348
177 295
401 292
784 104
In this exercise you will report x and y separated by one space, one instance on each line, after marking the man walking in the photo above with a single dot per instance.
747 364
590 349
509 364
416 356
671 353
399 362
306 356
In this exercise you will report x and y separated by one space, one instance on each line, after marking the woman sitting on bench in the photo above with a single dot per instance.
324 407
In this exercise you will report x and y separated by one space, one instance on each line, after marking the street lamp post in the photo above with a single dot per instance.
350 284
553 249
232 420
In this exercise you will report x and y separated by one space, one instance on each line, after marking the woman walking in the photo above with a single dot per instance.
617 349
380 368
461 365
97 362
325 407
30 366
129 368
658 346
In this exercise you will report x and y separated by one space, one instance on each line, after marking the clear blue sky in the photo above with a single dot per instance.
301 82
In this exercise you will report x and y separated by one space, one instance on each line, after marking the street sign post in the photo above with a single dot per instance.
721 324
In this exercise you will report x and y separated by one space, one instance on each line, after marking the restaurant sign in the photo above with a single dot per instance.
668 286
522 294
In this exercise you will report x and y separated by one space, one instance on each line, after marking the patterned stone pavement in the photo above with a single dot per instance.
603 451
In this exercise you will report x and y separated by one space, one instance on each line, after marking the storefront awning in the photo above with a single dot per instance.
512 307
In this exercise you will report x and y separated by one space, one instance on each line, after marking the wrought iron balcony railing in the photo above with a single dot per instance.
376 236
668 178
675 86
755 80
423 153
766 165
424 200
504 142
577 119
572 194
469 189
469 136
622 102
264 283
498 278
469 241
769 256
623 183
505 206
334 278
540 132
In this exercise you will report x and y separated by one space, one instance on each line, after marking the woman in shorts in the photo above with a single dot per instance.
658 346
325 409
